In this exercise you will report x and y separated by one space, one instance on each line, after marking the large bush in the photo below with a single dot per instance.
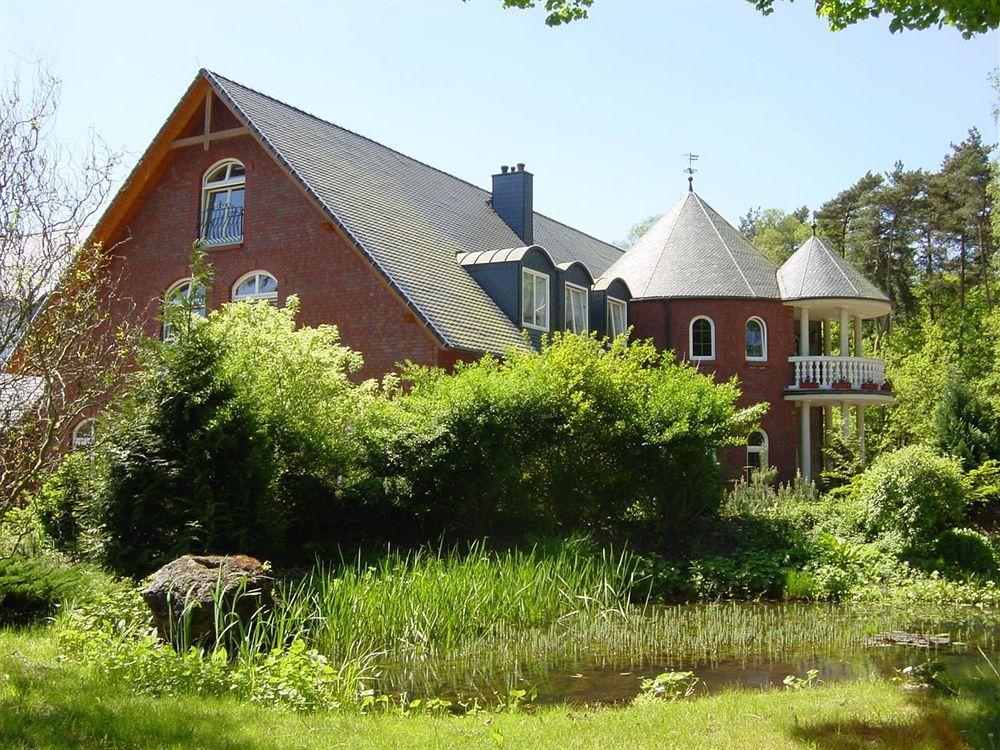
235 438
34 587
909 497
966 427
580 435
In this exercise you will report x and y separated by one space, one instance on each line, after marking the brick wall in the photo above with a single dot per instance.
666 322
284 235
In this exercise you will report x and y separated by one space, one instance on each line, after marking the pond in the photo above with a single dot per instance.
602 659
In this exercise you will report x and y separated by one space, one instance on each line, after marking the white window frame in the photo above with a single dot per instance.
225 186
764 451
763 334
691 354
536 276
611 302
80 441
165 332
586 307
271 297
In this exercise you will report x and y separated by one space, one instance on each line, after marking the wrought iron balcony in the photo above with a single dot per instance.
839 373
222 225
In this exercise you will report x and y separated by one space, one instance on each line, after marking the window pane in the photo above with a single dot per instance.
701 338
616 318
247 288
236 170
754 339
266 284
527 299
541 302
218 175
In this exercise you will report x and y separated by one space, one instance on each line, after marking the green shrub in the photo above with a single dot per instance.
35 587
965 426
966 551
236 437
578 436
63 502
909 497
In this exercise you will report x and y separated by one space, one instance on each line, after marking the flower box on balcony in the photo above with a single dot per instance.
869 386
842 385
808 384
887 385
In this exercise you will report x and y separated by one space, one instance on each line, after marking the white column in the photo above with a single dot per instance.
827 337
805 459
857 336
803 331
845 416
844 352
860 413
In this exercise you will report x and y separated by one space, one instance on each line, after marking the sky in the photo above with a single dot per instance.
782 111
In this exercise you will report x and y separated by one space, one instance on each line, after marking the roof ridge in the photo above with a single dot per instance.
836 262
663 247
725 244
486 192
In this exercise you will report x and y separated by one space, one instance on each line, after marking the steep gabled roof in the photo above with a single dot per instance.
817 271
693 252
410 219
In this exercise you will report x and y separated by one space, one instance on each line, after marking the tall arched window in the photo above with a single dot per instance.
83 433
223 192
757 449
702 338
256 285
185 295
755 338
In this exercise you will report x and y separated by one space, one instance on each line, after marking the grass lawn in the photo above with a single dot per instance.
44 703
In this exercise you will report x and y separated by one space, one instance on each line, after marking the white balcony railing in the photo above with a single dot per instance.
825 371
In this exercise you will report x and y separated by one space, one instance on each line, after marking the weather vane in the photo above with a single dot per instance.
692 158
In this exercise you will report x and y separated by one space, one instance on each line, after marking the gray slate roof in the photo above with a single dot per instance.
410 219
693 252
816 270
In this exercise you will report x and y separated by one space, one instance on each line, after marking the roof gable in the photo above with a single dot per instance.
693 252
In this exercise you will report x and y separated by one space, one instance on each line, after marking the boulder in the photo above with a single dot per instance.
187 589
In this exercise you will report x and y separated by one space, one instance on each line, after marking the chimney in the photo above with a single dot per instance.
512 200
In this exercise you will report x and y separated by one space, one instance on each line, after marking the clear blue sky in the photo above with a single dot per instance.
783 111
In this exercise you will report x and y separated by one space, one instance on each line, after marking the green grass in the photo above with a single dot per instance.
45 703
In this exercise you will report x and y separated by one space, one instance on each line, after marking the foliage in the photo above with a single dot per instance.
669 686
559 11
971 17
966 551
909 497
61 504
35 587
793 682
776 233
236 437
61 358
579 436
966 427
637 230
113 635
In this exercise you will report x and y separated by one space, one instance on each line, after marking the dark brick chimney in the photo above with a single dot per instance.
512 200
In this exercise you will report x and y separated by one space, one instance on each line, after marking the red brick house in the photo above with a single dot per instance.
412 263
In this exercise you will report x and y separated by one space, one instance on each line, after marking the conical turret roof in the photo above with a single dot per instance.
693 252
817 271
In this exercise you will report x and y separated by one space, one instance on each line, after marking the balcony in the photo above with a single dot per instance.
847 378
222 225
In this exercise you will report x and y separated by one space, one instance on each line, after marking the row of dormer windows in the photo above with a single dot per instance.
701 339
535 306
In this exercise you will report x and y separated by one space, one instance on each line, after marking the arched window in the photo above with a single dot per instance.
223 192
186 294
83 433
702 338
256 285
757 449
755 338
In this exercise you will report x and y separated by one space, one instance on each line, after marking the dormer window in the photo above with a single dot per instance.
223 192
576 309
534 299
617 317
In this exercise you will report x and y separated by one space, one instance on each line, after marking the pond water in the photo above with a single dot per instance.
592 660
